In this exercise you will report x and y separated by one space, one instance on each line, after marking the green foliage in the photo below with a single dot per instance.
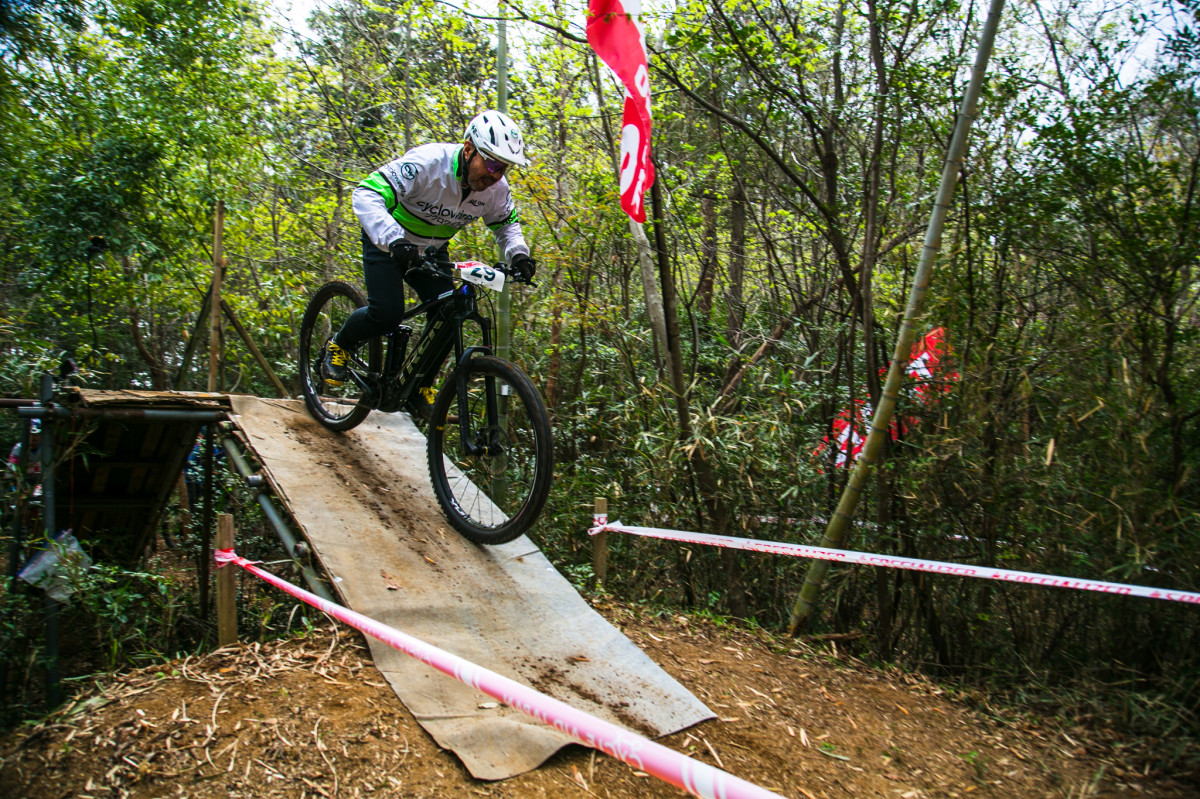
134 613
120 617
115 617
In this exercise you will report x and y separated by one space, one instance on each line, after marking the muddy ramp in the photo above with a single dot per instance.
363 501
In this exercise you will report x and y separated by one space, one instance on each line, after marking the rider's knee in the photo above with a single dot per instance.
389 314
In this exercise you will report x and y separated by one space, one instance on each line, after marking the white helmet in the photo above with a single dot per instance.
496 136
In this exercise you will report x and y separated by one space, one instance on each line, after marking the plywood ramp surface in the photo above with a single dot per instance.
364 502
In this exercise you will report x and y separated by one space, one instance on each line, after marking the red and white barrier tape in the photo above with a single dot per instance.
698 779
894 562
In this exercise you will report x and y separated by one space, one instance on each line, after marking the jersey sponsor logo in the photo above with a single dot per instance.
443 214
392 177
475 202
409 170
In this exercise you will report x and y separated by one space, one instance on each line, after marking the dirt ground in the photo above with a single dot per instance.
312 717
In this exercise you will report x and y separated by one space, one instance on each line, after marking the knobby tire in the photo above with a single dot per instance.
337 407
491 499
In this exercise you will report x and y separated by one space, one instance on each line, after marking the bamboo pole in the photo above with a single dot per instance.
600 543
214 340
499 486
258 356
839 523
226 588
185 363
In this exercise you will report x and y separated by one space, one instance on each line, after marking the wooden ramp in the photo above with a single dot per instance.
363 501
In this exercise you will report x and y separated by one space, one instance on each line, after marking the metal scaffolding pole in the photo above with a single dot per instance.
297 550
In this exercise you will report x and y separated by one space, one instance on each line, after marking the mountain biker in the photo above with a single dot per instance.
422 199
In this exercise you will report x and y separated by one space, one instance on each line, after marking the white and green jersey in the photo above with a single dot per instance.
421 198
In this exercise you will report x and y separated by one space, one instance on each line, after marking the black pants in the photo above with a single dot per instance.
385 298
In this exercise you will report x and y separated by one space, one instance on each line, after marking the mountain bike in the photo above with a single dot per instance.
488 442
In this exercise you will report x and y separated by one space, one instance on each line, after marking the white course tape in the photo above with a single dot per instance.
894 562
697 778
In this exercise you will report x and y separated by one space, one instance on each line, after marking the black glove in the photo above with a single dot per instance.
405 254
522 268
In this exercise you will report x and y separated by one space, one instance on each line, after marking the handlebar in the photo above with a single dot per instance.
431 264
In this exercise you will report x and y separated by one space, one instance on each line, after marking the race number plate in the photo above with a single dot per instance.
481 274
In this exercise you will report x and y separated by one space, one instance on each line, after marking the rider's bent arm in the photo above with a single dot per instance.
371 209
505 224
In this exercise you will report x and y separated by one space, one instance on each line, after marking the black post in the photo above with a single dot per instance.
53 696
206 532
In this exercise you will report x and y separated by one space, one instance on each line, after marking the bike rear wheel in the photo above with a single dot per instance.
494 496
337 407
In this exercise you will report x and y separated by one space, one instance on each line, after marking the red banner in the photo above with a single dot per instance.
929 377
617 39
925 365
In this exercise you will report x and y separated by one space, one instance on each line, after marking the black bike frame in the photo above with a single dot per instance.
401 371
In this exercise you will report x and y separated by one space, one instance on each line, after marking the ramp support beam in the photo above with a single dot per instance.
298 551
133 414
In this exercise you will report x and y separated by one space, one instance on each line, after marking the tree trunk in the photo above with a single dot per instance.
708 257
734 293
706 477
554 367
159 379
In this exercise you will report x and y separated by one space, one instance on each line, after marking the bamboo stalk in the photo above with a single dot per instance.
258 356
214 340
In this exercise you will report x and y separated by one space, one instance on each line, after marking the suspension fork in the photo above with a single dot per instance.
473 440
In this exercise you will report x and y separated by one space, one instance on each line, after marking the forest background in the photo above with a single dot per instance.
798 148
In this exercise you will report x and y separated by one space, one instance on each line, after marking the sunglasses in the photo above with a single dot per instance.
494 167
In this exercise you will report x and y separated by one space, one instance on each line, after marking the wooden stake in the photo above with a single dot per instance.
600 543
226 588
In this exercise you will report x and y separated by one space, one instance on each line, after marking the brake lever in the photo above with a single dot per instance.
431 264
502 267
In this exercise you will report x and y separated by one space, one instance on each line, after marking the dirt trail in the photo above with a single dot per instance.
312 717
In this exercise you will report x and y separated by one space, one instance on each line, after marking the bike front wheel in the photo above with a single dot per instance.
338 407
492 467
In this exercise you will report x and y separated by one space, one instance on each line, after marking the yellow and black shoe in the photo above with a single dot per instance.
421 405
333 365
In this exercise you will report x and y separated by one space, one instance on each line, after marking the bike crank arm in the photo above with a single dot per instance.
370 389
